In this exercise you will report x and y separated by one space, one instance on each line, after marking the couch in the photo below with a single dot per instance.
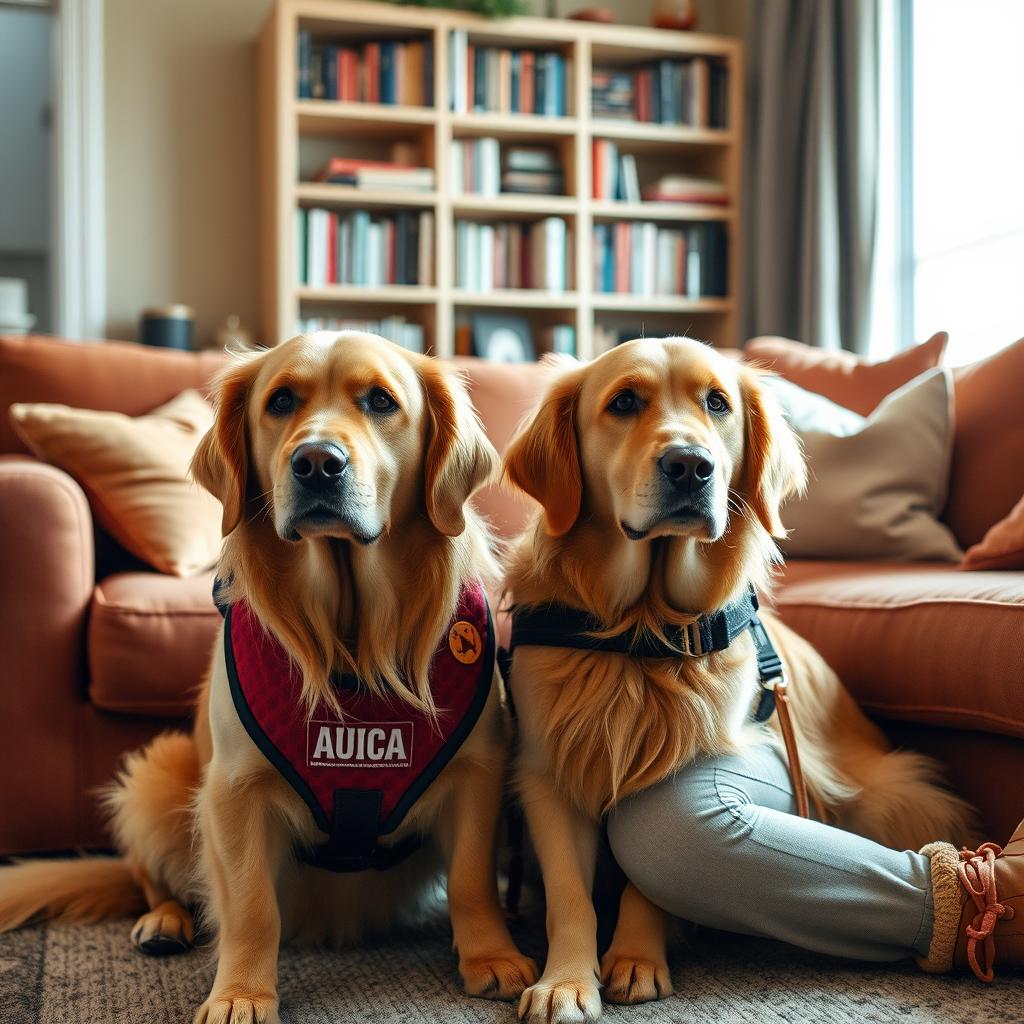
100 653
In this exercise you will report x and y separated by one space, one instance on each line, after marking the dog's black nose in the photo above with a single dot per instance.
688 468
319 465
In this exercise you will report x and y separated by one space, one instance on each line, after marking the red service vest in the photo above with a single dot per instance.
359 776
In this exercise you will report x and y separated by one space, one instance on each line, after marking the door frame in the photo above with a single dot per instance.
79 223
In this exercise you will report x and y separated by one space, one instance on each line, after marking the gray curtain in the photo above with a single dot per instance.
811 169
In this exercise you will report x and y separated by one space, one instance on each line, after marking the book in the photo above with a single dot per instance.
512 254
682 188
375 174
396 329
505 80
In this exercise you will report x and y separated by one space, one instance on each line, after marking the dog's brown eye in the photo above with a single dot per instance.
624 403
717 403
379 401
281 402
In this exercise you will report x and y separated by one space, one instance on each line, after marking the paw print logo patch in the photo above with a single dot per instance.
464 642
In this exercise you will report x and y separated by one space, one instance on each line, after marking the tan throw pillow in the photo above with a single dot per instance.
135 472
877 485
841 376
1002 547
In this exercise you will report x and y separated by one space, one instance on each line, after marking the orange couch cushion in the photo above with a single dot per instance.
929 644
112 376
149 642
840 376
987 476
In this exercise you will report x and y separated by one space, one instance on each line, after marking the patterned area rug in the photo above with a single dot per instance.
92 975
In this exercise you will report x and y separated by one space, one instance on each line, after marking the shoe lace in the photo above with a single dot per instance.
977 873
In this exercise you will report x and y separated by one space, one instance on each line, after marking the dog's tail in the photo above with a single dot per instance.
83 889
904 803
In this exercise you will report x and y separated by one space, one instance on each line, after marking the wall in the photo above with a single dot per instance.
181 151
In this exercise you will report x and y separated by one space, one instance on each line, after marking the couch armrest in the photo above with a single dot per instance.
46 550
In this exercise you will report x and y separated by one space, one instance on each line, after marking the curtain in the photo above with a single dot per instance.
811 170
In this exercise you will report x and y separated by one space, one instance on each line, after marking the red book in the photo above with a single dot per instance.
332 248
642 92
526 82
350 75
390 275
470 78
622 257
679 285
339 166
372 63
596 168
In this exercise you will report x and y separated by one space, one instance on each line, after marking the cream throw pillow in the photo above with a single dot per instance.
877 484
135 472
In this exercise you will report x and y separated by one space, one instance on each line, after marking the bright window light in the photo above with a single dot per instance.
968 178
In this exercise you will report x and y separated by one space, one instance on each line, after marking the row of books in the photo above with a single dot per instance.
504 81
613 175
513 255
395 328
388 71
641 258
359 249
482 167
693 91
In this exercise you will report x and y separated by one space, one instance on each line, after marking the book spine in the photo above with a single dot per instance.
300 245
427 79
425 261
504 81
371 72
693 262
528 82
622 257
540 83
303 62
514 86
479 80
331 73
387 73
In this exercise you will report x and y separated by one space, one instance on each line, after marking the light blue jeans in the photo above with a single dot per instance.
720 844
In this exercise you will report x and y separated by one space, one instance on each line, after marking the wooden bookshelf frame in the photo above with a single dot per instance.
285 119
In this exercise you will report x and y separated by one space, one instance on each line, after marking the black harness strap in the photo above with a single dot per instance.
557 625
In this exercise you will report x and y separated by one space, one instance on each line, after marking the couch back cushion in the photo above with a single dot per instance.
111 376
987 476
842 377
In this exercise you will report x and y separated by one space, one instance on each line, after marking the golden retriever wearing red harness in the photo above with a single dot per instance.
345 466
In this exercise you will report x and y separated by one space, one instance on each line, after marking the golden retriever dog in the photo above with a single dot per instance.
345 466
618 537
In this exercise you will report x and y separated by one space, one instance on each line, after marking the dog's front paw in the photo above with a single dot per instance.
501 976
166 929
564 1001
224 1008
634 979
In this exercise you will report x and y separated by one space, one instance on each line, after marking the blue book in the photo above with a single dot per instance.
305 75
388 78
540 84
558 106
331 72
514 73
360 244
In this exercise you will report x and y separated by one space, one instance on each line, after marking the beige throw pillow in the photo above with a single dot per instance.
877 484
135 472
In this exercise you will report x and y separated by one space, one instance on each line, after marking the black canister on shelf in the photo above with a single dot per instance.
167 327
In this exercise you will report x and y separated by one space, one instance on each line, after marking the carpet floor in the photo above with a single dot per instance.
91 974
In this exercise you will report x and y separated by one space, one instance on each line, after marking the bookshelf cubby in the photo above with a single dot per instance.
299 135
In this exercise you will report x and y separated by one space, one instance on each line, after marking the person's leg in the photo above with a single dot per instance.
719 843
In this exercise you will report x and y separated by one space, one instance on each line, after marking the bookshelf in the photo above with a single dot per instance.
297 134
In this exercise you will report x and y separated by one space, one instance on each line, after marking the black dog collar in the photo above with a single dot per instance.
557 625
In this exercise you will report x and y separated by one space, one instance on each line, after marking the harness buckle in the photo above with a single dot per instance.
694 644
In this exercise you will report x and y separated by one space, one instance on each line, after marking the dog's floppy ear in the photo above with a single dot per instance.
774 463
221 462
460 458
544 457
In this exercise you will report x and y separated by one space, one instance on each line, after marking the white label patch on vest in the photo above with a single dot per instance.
359 745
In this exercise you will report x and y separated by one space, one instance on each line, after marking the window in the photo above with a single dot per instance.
967 142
